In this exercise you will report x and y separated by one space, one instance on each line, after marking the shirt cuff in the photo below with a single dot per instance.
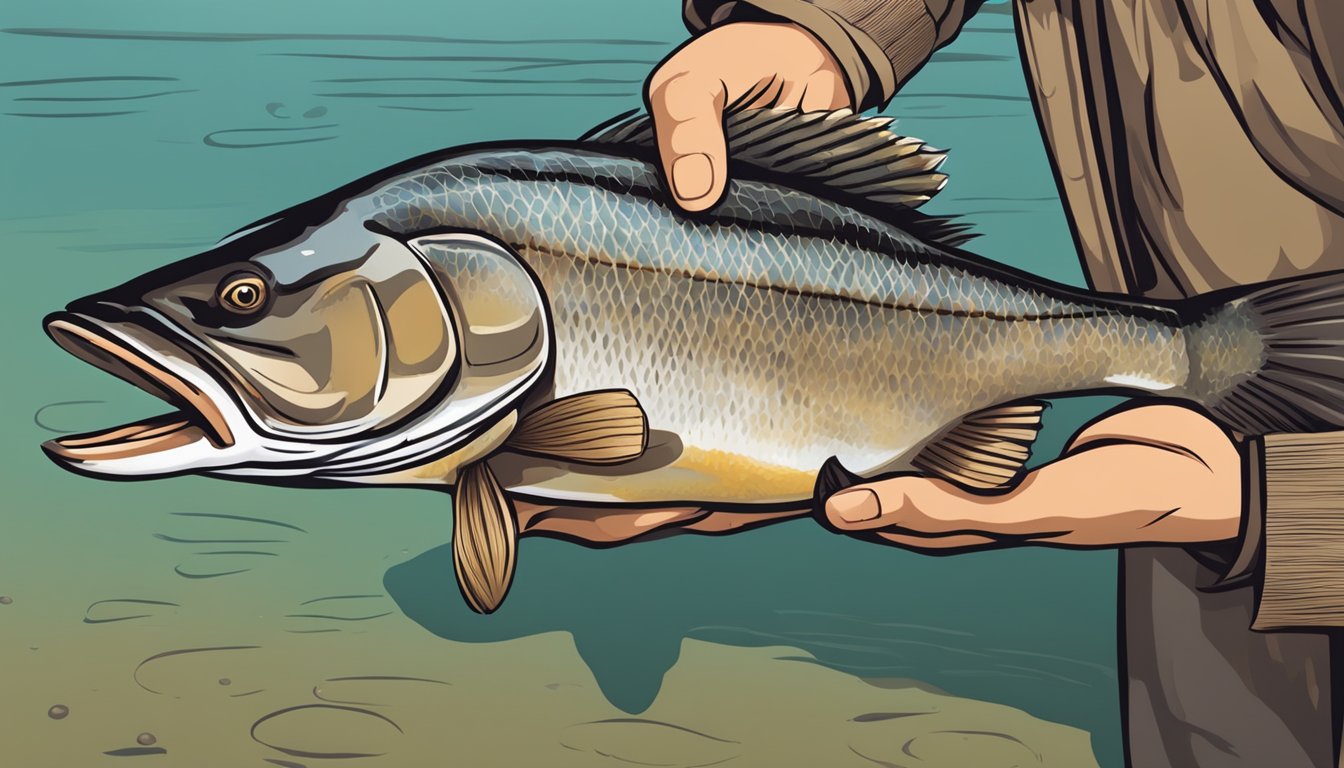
1303 557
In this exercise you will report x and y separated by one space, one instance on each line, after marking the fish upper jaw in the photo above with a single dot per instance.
207 431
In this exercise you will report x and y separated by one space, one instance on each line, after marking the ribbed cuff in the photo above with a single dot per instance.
1303 569
877 43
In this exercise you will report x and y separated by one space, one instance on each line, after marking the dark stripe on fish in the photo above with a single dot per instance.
791 291
865 238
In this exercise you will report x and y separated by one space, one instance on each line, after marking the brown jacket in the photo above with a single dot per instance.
1197 145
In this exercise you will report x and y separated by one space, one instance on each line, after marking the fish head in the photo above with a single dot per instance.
344 355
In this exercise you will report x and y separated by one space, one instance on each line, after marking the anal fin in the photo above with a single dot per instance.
987 449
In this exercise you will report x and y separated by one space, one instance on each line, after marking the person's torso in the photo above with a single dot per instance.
1197 145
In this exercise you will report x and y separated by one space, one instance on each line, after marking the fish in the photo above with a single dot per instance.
536 322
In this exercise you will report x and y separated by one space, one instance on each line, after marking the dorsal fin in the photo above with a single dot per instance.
839 151
987 449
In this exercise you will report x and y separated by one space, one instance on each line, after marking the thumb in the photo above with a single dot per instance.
688 123
858 508
901 501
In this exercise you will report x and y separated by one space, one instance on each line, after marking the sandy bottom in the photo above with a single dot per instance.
318 698
219 635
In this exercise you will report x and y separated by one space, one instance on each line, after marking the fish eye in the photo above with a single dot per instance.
243 293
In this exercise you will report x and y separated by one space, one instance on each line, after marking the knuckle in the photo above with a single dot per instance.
658 79
681 96
668 82
685 142
901 507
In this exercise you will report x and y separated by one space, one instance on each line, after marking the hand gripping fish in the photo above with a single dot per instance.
535 321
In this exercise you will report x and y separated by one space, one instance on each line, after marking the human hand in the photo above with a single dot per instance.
1150 474
731 67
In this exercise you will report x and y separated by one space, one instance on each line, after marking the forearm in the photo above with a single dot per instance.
608 525
879 44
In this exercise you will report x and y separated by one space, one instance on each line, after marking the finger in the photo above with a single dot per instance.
922 505
687 112
602 526
955 541
730 522
1177 427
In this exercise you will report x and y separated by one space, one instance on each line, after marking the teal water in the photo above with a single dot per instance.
135 134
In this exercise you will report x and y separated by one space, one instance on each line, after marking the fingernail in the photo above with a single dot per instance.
692 176
855 505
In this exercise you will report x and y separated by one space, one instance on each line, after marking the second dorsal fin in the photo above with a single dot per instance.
987 449
840 151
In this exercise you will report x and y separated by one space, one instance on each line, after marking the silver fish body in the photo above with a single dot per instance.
782 328
536 321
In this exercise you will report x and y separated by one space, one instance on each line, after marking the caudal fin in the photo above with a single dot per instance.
1272 358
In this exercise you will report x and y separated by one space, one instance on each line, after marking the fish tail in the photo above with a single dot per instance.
1270 358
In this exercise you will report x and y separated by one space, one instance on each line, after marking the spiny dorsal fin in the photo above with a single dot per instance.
485 538
839 150
987 449
599 427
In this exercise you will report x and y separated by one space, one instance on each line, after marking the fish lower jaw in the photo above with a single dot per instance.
138 439
147 447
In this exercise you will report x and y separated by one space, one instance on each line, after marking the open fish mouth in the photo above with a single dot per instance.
196 420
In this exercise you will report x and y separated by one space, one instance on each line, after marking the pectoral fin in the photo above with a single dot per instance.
987 449
600 427
485 538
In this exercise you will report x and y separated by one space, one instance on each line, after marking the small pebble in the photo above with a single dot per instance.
225 681
145 739
6 599
58 712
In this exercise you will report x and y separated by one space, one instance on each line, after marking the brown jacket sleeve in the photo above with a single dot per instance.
878 43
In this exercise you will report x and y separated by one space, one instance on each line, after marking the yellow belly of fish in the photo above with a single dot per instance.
697 475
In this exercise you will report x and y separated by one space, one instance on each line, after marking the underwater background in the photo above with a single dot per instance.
196 622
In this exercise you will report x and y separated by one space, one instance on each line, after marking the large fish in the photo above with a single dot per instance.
534 321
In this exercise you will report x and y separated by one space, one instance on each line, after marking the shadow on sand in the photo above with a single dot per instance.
967 624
